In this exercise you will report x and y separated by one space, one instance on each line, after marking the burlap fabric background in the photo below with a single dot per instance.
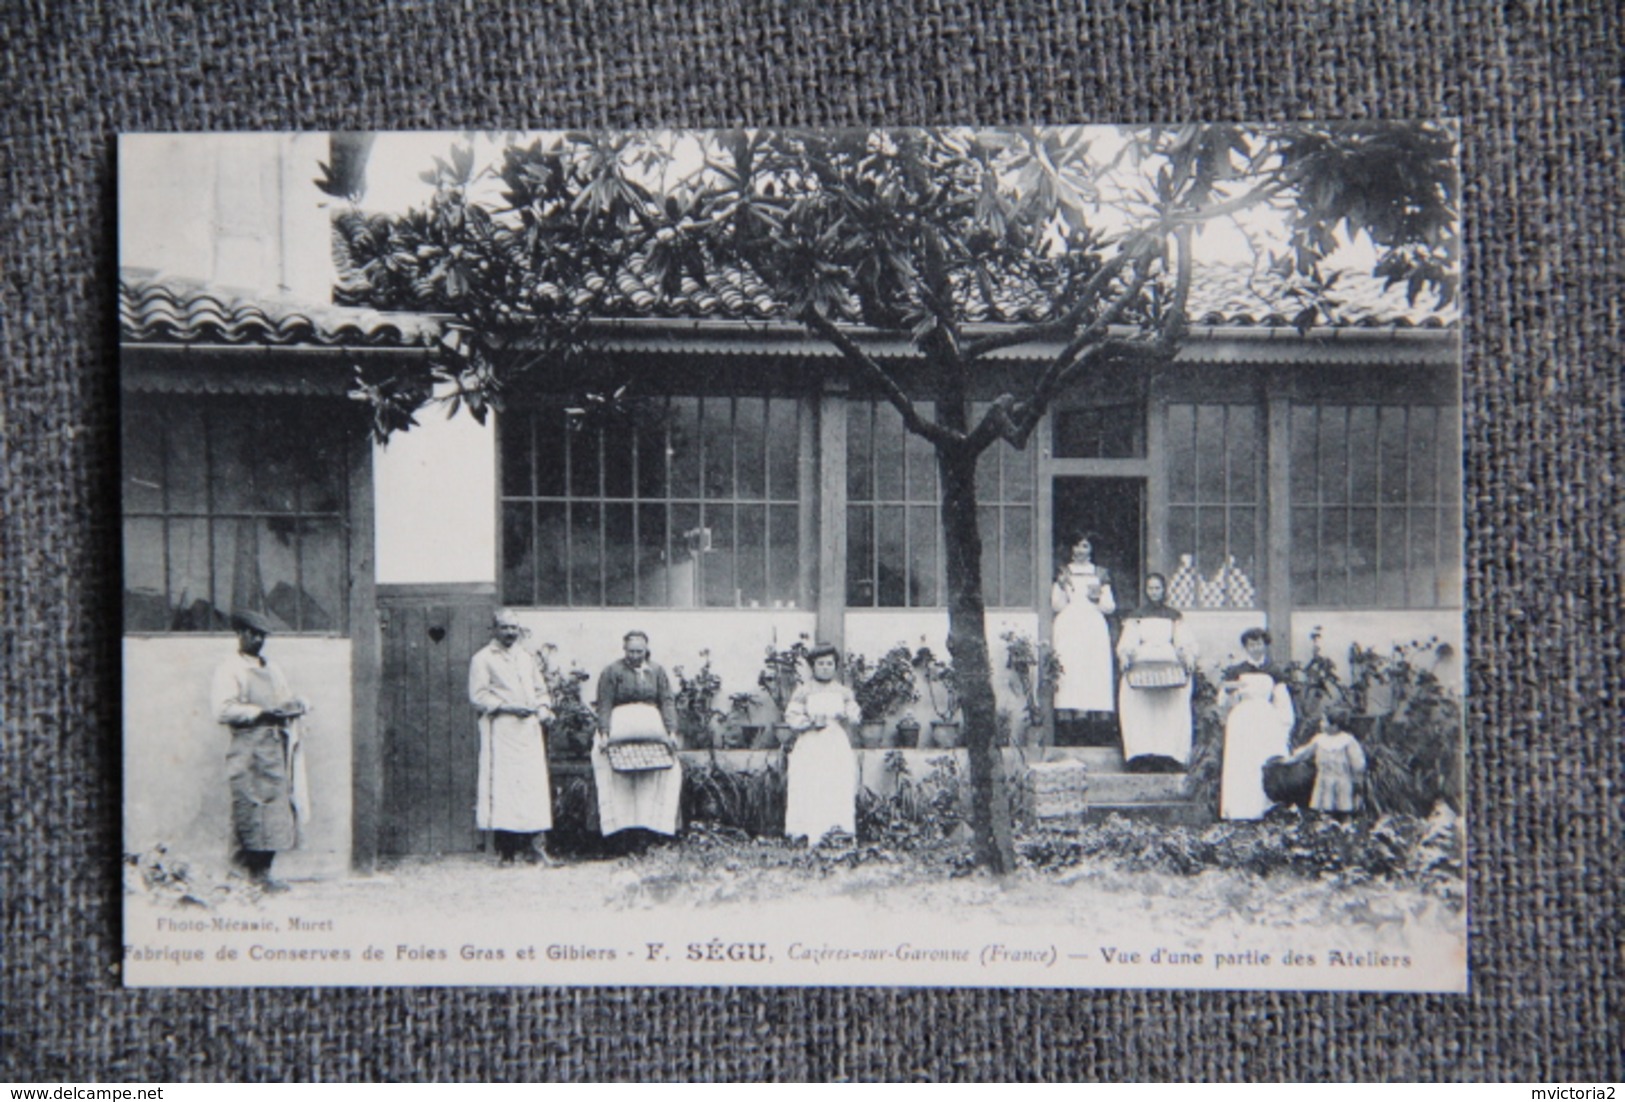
1537 88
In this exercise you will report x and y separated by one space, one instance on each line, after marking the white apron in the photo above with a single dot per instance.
649 799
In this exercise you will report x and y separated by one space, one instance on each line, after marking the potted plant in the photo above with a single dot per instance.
1038 670
881 690
742 730
942 689
781 673
907 735
697 718
570 732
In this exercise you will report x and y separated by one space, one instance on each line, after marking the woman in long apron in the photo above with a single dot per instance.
823 771
1081 599
1258 728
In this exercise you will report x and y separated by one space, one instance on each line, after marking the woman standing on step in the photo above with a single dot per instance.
1154 699
1081 599
822 787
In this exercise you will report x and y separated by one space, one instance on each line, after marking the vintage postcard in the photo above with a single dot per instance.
963 556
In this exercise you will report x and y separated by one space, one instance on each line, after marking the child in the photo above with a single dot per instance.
1339 765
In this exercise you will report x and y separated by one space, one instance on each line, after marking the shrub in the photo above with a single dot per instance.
574 721
747 800
695 704
885 687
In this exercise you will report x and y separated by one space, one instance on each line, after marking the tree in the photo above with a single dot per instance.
911 231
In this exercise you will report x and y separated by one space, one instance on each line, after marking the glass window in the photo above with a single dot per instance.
1214 474
1376 519
894 553
1100 432
232 503
684 502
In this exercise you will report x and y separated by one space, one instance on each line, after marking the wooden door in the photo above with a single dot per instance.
430 740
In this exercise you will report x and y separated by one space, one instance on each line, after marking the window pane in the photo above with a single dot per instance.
1448 588
1241 442
921 460
654 581
717 418
1333 454
1450 470
651 436
143 463
859 451
1209 454
1362 557
1334 558
620 556
551 548
1305 452
784 449
1017 467
1243 588
186 459
586 554
146 605
516 455
321 575
583 447
1100 432
1391 453
784 559
860 549
1182 453
255 565
193 606
320 466
718 562
685 447
1363 454
1425 556
1305 556
750 555
922 547
889 564
1391 546
1182 540
1210 558
518 562
987 473
750 439
552 436
618 461
1422 453
888 454
1018 557
685 555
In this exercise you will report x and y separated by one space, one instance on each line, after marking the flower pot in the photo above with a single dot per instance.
944 734
907 735
871 735
778 735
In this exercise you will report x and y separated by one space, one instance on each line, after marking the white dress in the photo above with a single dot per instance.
1259 727
822 787
1083 641
650 799
514 791
1155 721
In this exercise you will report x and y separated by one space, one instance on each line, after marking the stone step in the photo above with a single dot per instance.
1099 759
1135 788
1169 813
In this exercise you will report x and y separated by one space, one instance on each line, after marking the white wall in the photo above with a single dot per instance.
436 493
737 639
1382 630
235 210
175 791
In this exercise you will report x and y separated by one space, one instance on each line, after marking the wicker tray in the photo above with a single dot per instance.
639 757
1157 675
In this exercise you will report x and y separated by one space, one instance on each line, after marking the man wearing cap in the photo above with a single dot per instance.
264 765
514 798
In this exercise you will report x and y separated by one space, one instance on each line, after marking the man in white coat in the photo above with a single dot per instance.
507 689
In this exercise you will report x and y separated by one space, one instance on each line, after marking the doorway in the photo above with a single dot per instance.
1114 510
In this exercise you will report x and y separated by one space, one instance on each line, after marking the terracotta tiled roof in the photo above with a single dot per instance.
1220 295
158 308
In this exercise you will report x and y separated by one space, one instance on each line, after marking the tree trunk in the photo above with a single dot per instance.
967 644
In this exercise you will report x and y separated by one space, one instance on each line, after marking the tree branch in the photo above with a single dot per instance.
866 367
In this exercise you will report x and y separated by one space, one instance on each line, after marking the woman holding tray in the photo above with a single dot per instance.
636 709
1081 599
823 773
1154 699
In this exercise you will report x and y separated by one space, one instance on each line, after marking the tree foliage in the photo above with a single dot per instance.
1074 242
